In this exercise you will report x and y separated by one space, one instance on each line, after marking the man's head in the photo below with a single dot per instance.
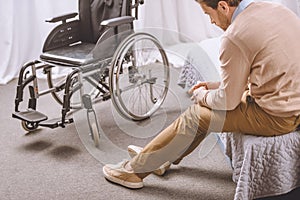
219 11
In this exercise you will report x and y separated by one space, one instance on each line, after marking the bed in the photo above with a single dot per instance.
262 166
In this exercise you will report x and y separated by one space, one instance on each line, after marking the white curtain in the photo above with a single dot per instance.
23 27
184 17
23 31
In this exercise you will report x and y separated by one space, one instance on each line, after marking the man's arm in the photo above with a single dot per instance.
235 70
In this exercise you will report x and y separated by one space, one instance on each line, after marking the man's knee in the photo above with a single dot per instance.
195 119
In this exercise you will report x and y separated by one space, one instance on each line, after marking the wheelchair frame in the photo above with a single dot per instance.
96 74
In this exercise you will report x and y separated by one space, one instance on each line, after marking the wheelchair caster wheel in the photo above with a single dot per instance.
29 126
95 135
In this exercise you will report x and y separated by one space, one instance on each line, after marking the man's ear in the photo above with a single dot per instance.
223 7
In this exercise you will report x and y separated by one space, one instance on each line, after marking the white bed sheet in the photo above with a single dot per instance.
262 166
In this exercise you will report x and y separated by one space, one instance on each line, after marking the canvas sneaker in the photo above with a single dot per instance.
134 150
120 175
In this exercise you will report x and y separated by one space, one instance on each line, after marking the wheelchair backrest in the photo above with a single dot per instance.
87 28
93 12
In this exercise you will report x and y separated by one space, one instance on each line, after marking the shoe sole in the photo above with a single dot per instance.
134 150
122 182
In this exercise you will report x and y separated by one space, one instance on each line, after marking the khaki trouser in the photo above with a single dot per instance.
191 127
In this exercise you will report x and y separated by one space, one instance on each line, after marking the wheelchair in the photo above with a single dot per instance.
105 58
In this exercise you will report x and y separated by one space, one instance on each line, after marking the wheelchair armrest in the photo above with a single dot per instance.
117 21
62 18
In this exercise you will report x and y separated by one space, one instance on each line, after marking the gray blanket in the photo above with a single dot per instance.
263 166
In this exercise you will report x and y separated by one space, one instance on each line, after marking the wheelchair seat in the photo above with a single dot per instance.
75 55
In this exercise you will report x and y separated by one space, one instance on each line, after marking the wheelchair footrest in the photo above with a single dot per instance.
30 116
56 122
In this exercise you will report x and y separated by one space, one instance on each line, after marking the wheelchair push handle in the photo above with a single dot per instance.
136 5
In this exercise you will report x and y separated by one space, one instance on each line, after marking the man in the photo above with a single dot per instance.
259 92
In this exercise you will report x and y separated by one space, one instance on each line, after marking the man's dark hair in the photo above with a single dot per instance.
214 3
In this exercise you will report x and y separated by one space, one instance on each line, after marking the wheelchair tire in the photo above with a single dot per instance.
95 134
29 126
139 76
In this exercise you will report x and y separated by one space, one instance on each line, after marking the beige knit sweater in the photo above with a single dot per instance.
261 51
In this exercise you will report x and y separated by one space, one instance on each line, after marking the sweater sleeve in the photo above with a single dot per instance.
235 70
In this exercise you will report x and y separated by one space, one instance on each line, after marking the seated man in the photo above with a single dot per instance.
259 92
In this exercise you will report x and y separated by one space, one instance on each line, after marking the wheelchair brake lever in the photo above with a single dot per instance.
87 102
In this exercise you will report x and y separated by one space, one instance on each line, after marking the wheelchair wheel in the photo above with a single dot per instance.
139 76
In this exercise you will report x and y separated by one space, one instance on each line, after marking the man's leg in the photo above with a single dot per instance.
247 118
169 145
190 128
186 133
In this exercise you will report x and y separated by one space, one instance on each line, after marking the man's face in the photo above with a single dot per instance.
217 16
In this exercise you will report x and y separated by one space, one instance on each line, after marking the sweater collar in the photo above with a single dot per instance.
242 6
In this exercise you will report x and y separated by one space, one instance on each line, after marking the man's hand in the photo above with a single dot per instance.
207 85
196 86
199 95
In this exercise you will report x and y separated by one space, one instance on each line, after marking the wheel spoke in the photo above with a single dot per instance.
139 84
